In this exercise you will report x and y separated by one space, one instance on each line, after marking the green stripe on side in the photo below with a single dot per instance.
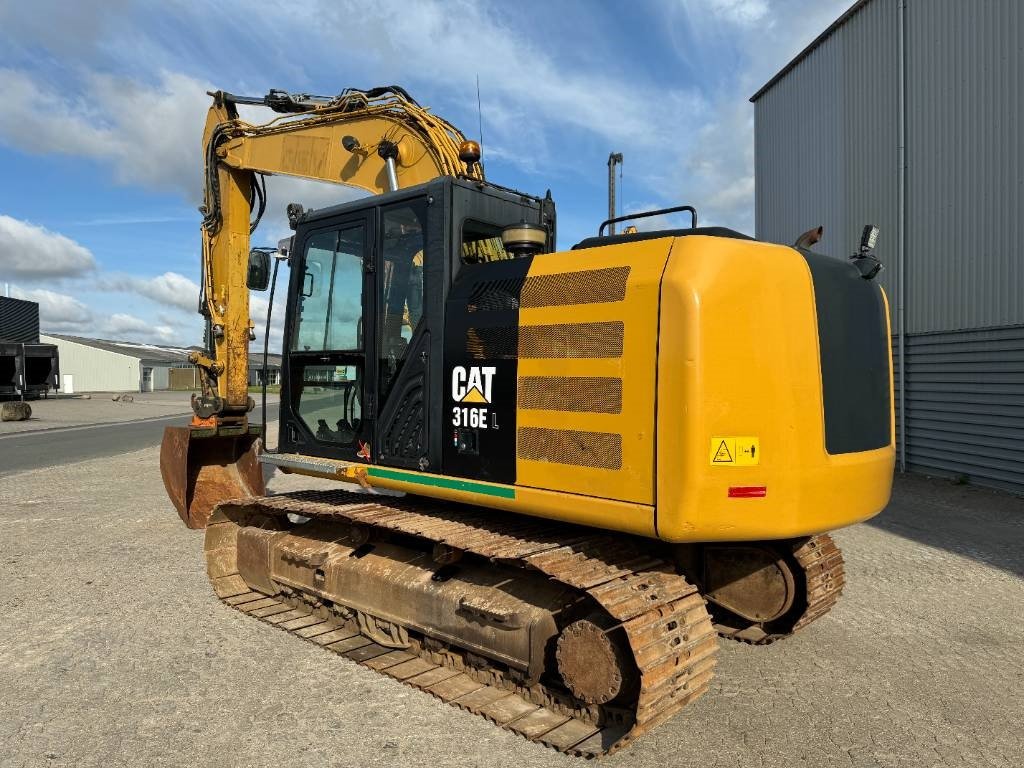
449 483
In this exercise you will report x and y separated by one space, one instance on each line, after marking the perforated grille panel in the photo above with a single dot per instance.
495 295
577 394
600 450
497 343
571 340
591 286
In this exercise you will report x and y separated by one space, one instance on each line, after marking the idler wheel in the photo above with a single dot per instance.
592 664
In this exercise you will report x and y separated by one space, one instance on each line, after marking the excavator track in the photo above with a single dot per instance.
660 614
818 564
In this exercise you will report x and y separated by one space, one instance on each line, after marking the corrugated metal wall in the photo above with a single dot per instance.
965 164
834 116
827 139
96 370
19 320
965 405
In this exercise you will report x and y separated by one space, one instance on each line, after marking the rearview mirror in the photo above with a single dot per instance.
259 270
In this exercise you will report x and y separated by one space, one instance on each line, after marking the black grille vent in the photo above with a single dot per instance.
495 295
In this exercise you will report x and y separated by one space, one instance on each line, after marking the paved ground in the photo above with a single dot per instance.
57 445
98 409
113 652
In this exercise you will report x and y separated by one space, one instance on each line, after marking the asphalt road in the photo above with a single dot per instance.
20 451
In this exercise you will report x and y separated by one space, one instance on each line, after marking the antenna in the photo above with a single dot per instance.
479 113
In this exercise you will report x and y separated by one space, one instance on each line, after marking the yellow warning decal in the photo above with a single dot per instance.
735 451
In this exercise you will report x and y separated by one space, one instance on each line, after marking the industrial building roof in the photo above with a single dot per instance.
154 353
810 48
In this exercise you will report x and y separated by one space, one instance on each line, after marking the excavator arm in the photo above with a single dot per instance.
378 140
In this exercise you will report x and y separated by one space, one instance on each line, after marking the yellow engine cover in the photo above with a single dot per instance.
740 373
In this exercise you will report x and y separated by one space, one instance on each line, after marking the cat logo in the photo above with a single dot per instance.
472 385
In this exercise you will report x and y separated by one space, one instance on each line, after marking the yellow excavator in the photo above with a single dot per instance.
563 475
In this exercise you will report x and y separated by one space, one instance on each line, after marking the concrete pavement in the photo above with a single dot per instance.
113 652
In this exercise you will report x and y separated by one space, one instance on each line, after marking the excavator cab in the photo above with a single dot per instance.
375 292
374 284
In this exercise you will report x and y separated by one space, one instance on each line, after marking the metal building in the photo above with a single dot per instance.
99 365
27 367
908 114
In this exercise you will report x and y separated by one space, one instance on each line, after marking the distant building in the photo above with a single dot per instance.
100 365
27 367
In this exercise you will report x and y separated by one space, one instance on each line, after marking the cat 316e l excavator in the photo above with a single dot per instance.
607 456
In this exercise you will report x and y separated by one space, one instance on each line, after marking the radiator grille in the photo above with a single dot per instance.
571 340
497 343
600 450
591 286
591 394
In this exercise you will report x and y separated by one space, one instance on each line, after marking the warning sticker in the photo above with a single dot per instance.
735 451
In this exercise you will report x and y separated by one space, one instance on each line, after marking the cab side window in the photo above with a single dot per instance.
481 243
400 303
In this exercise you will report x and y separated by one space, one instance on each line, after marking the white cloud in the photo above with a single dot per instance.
28 251
529 96
57 311
170 289
63 313
148 133
743 12
124 326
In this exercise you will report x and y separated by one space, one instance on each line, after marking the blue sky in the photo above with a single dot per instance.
103 105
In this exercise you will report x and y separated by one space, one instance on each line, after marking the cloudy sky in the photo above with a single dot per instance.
102 106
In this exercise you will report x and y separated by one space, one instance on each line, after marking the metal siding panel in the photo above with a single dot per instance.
870 148
965 405
19 320
965 159
797 129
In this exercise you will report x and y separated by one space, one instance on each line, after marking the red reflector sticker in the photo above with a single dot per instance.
748 491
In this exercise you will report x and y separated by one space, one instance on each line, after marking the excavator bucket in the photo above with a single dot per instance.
201 471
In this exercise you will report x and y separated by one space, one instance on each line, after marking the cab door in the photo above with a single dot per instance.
328 397
408 278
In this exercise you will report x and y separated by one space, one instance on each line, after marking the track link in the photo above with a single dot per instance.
669 632
819 563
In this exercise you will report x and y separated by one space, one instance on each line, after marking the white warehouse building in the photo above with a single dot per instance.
99 365
96 365
908 114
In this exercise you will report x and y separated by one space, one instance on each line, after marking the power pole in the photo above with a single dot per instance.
615 158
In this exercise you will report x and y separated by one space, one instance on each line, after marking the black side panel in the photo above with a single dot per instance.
854 344
403 425
481 365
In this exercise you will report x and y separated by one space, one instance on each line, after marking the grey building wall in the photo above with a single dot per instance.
828 151
19 320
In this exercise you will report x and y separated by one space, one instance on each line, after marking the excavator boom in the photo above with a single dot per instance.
377 140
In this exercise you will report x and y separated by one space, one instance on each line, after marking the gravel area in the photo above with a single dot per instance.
114 652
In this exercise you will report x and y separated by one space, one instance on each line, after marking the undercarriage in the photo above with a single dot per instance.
576 639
